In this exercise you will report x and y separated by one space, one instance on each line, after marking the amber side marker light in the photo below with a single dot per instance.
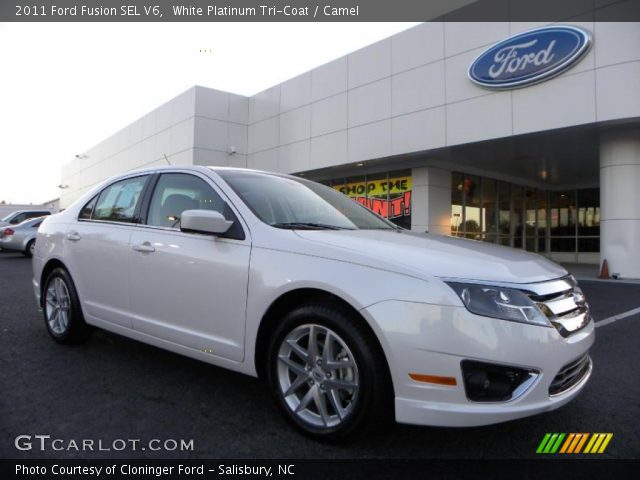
433 379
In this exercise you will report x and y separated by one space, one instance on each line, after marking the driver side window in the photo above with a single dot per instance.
177 192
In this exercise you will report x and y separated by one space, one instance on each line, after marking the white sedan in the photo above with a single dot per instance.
348 317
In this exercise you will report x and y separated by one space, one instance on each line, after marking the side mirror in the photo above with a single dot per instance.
204 221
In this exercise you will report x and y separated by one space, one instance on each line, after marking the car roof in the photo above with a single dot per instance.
199 168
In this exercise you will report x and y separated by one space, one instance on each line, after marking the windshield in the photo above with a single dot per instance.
295 203
8 217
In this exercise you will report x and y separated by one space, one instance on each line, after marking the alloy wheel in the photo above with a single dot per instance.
58 306
317 376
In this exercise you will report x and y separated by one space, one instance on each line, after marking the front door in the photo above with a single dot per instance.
189 288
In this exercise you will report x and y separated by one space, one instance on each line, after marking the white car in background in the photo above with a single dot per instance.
348 317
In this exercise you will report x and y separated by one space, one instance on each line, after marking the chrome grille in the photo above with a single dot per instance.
570 375
565 307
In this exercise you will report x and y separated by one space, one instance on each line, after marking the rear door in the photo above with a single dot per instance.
97 250
189 288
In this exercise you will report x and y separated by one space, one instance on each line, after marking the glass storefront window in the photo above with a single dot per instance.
355 187
338 184
563 213
530 212
399 191
457 220
472 220
377 194
541 206
489 210
523 217
506 241
563 244
517 215
589 220
589 212
387 194
504 213
530 219
588 244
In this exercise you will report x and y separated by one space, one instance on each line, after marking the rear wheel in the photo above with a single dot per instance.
327 373
62 313
30 248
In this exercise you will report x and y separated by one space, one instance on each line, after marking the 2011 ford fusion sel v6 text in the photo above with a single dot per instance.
348 317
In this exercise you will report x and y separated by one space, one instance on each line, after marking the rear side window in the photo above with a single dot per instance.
117 202
18 218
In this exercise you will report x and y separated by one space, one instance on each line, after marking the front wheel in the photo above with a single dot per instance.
62 313
327 372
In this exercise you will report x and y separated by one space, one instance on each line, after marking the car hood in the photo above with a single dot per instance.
423 254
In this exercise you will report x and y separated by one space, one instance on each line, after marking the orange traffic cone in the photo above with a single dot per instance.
604 271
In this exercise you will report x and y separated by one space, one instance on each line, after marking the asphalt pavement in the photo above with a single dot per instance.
115 388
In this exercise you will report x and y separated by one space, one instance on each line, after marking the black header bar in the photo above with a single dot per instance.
318 10
291 469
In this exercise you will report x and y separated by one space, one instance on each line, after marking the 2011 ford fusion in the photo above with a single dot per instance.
348 317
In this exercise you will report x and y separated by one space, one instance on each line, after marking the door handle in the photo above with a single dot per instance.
73 236
145 247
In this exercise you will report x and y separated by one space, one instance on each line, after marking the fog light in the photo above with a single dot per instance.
487 382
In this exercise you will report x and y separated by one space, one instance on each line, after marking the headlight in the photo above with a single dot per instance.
499 302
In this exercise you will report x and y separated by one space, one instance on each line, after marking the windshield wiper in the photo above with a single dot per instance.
308 226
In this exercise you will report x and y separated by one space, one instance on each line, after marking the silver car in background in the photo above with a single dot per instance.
19 216
21 237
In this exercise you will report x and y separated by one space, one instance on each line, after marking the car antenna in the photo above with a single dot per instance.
165 157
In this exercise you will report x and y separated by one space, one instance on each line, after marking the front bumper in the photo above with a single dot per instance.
434 340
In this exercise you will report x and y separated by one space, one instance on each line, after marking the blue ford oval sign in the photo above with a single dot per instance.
530 57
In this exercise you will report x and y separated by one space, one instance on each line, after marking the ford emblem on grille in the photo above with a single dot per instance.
530 57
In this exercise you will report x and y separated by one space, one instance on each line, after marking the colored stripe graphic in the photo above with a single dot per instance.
574 442
567 443
591 442
550 443
608 438
543 443
555 447
581 443
598 443
576 439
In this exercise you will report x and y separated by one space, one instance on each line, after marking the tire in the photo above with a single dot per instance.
28 251
326 401
67 326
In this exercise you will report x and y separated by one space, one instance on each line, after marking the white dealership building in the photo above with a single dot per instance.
550 164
